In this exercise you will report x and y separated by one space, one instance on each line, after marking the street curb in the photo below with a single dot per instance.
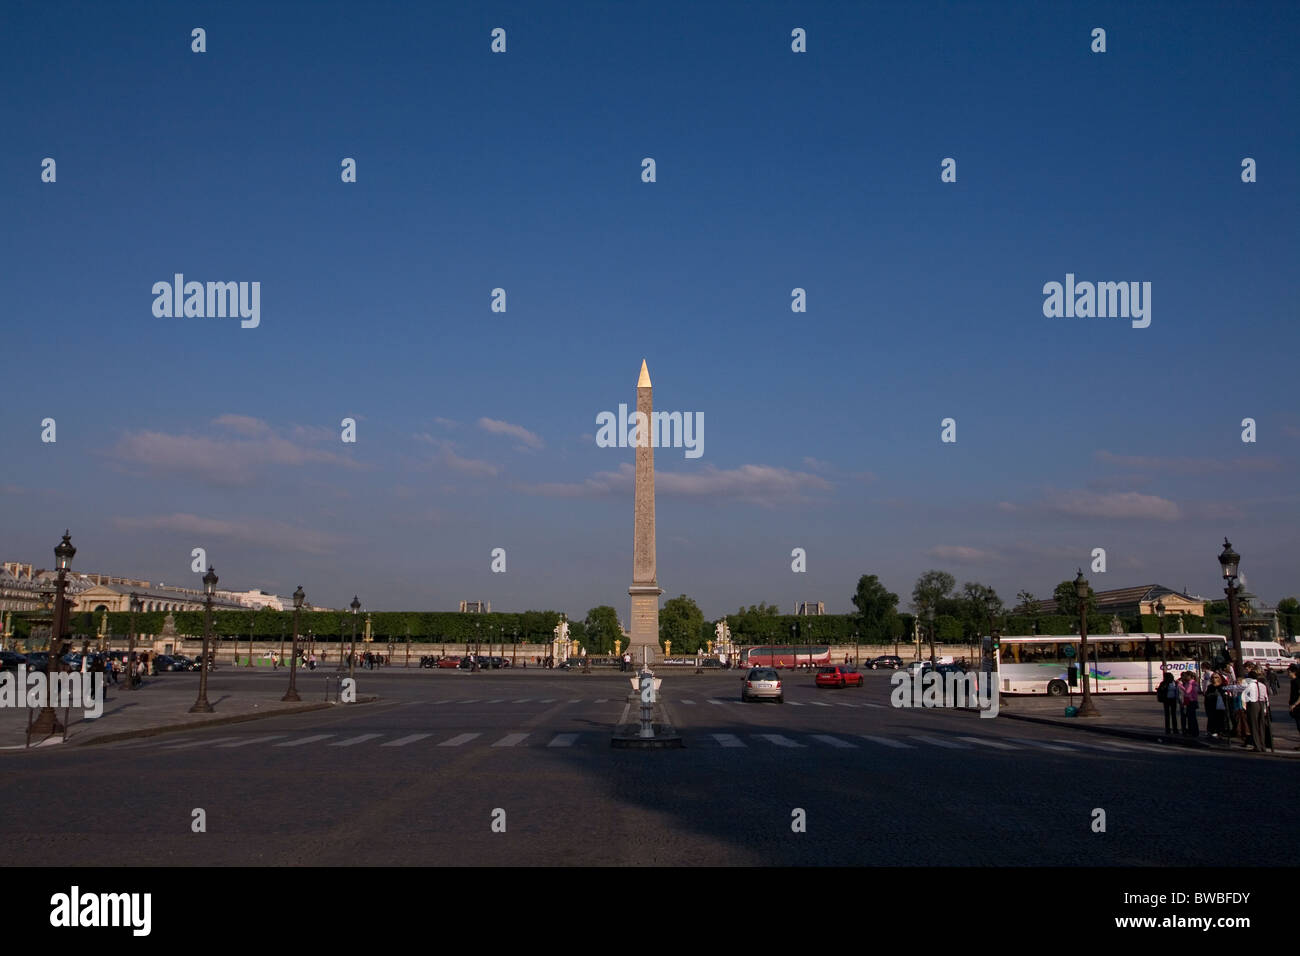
1110 731
1198 743
199 724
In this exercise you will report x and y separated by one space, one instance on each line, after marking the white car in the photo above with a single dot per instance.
762 682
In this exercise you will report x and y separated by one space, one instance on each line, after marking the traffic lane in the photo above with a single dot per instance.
592 806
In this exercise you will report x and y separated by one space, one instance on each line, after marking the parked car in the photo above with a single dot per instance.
164 662
9 660
182 663
449 662
838 676
36 660
762 682
892 661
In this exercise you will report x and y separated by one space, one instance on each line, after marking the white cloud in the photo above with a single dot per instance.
515 431
760 484
962 554
1129 504
220 461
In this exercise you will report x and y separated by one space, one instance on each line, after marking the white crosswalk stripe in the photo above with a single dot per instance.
522 700
602 700
563 740
253 740
818 703
403 741
794 703
886 741
1044 745
549 700
499 700
780 740
840 703
940 742
1080 743
834 741
986 742
456 741
305 740
355 740
472 700
688 702
197 743
137 743
728 740
510 740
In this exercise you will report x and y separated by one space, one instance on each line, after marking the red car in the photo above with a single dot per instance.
836 676
449 662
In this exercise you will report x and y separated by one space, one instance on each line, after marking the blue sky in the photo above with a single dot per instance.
775 170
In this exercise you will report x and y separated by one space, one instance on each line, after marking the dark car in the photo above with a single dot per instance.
36 660
885 660
163 662
182 663
9 660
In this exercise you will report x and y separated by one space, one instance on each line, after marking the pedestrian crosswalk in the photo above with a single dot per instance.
969 745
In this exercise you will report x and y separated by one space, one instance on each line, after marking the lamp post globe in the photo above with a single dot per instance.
201 706
292 693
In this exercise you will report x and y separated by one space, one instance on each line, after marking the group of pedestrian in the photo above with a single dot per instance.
1233 708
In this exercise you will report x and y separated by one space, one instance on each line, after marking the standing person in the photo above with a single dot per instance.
1293 705
1188 699
1251 700
1216 707
1167 694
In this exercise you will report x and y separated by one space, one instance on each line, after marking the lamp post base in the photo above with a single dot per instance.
201 707
47 722
290 695
1088 709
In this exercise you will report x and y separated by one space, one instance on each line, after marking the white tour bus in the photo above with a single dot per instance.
1117 663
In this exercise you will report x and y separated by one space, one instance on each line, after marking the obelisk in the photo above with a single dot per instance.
645 589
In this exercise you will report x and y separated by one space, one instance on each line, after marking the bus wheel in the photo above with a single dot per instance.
1056 688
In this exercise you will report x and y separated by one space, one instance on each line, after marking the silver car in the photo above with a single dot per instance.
762 682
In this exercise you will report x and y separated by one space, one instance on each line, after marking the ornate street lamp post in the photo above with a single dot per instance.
1229 560
46 722
252 619
929 619
514 655
478 648
135 606
1086 708
352 657
292 692
201 706
1164 644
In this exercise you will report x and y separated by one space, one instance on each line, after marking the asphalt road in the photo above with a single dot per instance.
418 777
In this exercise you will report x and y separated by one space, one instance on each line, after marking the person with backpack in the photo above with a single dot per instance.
1167 694
1188 699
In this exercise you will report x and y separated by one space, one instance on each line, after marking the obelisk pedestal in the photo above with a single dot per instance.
644 640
